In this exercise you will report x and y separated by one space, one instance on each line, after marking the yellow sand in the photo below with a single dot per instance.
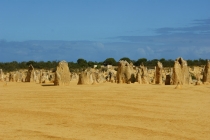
108 111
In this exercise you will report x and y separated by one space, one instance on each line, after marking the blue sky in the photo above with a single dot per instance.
99 29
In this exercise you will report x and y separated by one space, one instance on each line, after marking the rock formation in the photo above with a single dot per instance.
11 77
198 79
180 73
158 73
52 77
1 75
30 74
111 76
74 76
138 76
206 72
15 76
85 78
91 76
62 74
142 75
23 76
44 77
100 78
168 75
18 76
125 72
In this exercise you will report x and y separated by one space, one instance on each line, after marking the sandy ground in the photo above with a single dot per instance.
108 111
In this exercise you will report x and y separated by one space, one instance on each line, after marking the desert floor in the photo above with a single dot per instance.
106 111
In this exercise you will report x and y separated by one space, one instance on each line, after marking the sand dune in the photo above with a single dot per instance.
104 112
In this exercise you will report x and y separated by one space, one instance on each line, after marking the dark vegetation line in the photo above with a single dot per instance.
83 64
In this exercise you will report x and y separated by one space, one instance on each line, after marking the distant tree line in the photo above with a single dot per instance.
153 62
83 64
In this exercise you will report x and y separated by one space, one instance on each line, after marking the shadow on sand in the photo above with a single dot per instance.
48 85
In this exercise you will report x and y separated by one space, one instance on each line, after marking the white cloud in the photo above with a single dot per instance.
98 51
99 45
141 51
202 51
20 52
